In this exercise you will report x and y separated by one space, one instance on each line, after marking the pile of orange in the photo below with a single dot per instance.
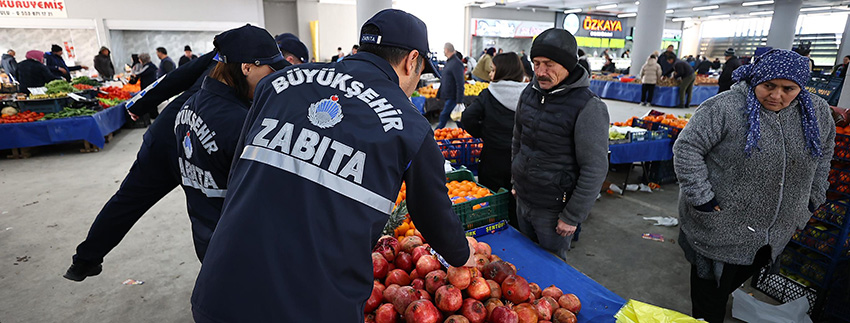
667 119
450 133
407 229
842 130
465 191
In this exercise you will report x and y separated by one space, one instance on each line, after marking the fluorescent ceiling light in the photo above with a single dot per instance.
681 19
488 5
756 3
815 9
669 11
606 6
576 10
718 17
841 8
760 13
627 15
706 8
637 3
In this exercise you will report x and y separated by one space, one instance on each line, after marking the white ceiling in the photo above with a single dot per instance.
681 8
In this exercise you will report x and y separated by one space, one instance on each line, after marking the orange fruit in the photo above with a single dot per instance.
476 206
408 233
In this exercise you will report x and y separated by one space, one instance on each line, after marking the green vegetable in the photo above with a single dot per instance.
58 86
68 112
111 102
85 80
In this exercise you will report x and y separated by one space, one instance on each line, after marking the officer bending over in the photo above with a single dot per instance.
320 161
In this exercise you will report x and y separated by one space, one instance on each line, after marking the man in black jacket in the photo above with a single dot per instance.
187 57
56 63
685 73
666 68
560 146
103 64
703 66
725 82
451 85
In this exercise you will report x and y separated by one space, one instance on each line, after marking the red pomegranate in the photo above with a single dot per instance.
380 266
370 318
478 289
503 314
427 264
409 243
398 277
386 313
535 290
422 311
481 261
491 304
404 297
460 277
423 294
456 319
495 289
570 302
404 261
494 257
434 280
418 283
374 301
544 309
448 298
484 249
562 315
418 252
553 292
498 271
526 313
473 310
390 292
515 289
388 247
552 303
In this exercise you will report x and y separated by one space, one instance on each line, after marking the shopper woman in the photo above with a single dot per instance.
752 166
491 117
32 72
145 76
213 117
482 70
649 75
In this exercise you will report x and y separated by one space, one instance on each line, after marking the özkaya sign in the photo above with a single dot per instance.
33 9
591 25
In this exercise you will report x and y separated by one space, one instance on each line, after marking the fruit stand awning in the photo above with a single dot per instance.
598 304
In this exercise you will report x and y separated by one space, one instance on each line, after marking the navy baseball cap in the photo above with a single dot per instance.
290 43
403 30
248 44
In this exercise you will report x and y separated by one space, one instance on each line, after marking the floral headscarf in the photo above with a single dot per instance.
779 64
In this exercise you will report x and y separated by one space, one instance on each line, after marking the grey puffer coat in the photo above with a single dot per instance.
764 197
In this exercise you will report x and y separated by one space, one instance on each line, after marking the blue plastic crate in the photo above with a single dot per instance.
647 135
462 151
640 123
672 132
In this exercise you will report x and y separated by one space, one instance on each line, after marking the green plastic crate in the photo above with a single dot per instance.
495 211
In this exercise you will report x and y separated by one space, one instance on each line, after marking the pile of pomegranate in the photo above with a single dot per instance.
412 286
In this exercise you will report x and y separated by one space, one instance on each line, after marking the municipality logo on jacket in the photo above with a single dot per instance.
187 145
325 113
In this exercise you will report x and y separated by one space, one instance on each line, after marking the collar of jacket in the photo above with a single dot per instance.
578 78
224 91
380 63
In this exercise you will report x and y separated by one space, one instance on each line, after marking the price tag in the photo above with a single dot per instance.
37 90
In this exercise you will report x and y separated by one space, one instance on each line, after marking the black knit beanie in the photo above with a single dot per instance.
55 48
558 45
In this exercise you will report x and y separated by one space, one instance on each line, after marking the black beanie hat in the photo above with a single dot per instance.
187 48
55 48
558 45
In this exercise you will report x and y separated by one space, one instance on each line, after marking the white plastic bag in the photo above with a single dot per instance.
458 111
749 309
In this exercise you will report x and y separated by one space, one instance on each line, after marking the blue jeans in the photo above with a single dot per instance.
446 115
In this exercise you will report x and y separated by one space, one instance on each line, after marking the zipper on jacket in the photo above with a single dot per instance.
781 184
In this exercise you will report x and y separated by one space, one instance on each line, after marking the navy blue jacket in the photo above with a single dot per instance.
146 77
321 158
451 87
206 130
54 62
31 73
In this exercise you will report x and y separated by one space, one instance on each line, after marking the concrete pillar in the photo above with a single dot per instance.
308 10
649 28
102 33
784 23
844 47
368 8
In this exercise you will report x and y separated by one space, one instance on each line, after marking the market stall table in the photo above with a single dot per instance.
640 152
92 129
666 96
598 304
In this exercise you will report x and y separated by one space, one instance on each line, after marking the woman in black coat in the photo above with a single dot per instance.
32 72
491 118
145 75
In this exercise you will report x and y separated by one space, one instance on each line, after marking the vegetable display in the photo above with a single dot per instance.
58 86
85 80
21 117
68 113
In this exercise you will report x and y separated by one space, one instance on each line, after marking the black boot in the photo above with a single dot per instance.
81 269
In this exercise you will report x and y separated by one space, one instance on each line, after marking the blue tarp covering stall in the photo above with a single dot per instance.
641 151
40 133
665 96
598 304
